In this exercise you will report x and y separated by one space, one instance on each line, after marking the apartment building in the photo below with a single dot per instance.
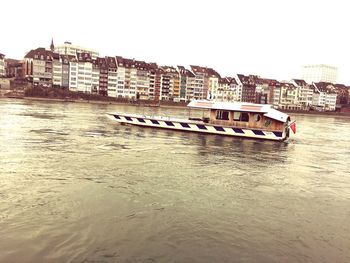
112 77
152 80
126 78
170 84
101 64
201 85
73 72
95 76
289 97
248 87
158 75
305 93
142 79
186 83
84 75
65 60
324 96
38 66
56 70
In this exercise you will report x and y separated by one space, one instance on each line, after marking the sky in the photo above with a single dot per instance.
269 38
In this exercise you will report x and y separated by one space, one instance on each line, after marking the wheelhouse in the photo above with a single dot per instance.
243 115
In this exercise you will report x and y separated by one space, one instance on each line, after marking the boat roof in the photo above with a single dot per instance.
266 109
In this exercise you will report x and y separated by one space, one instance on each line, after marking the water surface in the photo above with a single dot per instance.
76 187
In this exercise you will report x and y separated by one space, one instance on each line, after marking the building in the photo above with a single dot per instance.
274 95
153 80
13 68
73 72
142 79
213 82
187 83
170 84
56 70
112 76
324 96
65 61
305 93
95 76
103 76
126 78
248 87
68 49
289 97
200 89
342 94
38 67
2 65
319 73
84 75
158 75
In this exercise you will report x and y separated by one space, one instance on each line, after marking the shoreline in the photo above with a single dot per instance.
164 105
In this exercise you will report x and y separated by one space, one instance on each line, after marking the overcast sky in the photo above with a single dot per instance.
268 38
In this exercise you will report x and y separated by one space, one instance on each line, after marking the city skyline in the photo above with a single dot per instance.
269 39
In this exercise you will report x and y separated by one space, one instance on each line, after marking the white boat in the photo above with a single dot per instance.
260 121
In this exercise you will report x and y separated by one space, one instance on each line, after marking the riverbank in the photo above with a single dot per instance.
61 95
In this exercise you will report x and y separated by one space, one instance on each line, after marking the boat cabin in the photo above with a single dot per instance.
243 115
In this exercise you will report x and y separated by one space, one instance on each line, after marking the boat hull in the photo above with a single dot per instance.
195 126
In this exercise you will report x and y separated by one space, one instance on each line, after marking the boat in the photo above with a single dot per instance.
247 120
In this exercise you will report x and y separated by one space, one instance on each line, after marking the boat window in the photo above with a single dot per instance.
244 116
236 116
257 117
241 116
222 115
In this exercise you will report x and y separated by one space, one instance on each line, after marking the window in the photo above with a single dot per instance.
257 117
236 116
222 115
241 116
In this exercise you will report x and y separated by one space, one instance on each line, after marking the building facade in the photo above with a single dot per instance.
84 73
38 67
324 96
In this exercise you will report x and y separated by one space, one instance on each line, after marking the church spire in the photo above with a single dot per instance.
52 47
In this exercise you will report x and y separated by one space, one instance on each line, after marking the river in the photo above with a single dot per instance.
76 187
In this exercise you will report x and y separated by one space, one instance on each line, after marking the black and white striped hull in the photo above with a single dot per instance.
194 126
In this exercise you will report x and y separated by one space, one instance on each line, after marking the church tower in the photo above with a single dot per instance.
52 47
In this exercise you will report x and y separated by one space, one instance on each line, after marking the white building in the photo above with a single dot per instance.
289 97
2 65
57 70
305 93
68 49
239 88
73 75
112 77
319 73
324 97
84 76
